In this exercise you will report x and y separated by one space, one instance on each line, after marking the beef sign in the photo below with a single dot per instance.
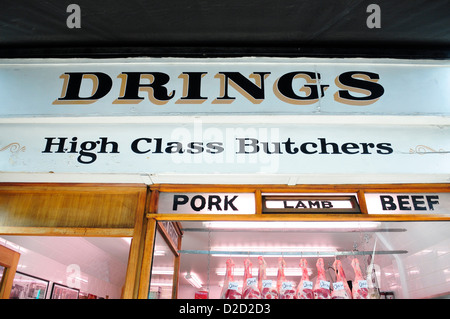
415 203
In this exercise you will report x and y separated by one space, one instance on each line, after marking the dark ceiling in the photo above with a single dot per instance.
409 28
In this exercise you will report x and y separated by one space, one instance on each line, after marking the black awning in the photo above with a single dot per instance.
407 28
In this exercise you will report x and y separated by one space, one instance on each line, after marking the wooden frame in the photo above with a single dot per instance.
175 247
8 259
359 189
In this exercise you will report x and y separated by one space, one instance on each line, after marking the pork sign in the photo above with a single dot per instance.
205 203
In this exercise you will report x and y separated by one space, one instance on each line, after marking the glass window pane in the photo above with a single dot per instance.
411 260
161 281
95 267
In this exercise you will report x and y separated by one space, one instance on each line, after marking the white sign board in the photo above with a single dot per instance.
275 86
413 203
206 203
56 116
298 204
238 149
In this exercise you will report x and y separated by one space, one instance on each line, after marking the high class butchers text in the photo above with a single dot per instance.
88 150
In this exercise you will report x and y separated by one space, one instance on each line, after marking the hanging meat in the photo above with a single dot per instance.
264 284
341 290
374 291
305 286
286 289
250 287
322 287
359 287
372 284
230 287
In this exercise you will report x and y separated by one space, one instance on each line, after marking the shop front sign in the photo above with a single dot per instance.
169 86
167 117
206 203
416 203
296 204
201 148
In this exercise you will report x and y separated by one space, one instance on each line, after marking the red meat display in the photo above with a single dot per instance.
250 287
322 286
286 289
359 288
341 290
265 285
263 288
304 288
229 290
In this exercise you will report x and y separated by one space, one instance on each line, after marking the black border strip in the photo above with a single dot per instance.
415 51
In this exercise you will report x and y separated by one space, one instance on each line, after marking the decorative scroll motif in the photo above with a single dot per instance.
423 149
14 148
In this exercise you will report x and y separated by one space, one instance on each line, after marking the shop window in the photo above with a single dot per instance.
68 267
163 269
396 259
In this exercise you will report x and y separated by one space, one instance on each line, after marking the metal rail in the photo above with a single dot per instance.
291 253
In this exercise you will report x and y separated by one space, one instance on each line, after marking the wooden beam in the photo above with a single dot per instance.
130 290
8 259
66 231
147 260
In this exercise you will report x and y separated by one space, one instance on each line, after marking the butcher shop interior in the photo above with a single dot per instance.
397 259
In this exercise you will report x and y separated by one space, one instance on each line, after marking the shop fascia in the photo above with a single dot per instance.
159 89
245 203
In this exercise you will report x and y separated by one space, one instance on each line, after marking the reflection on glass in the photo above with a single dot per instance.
28 287
404 260
161 281
2 270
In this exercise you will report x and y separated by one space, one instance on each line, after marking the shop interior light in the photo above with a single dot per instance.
291 225
127 240
279 251
159 253
13 246
81 279
161 284
162 271
193 280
